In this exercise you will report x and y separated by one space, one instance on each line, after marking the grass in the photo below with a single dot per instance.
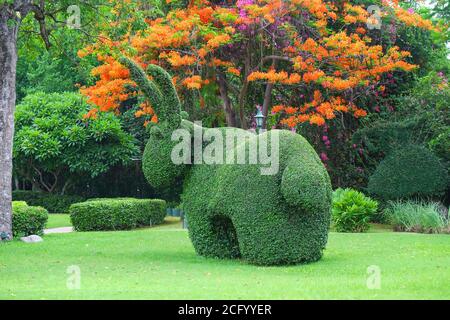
160 263
417 216
56 220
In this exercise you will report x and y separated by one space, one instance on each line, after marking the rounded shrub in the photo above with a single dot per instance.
352 210
19 204
54 203
28 220
113 214
409 172
236 211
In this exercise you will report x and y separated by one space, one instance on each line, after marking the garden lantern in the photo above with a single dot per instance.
259 118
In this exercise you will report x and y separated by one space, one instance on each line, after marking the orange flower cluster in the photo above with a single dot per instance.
275 77
411 18
262 10
217 41
194 82
317 111
176 60
355 14
354 61
110 89
234 71
145 109
190 41
320 9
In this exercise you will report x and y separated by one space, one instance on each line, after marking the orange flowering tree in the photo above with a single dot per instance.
306 61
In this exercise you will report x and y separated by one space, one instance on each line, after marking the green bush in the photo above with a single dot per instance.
19 204
233 210
352 210
441 145
412 171
28 220
416 216
54 203
116 214
118 198
53 138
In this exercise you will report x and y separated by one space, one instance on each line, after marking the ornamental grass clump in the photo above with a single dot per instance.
417 216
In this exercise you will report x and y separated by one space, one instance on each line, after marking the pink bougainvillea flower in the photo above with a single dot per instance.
324 157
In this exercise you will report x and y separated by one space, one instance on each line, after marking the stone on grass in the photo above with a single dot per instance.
32 239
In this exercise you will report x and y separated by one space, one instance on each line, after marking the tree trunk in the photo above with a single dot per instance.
243 93
267 103
9 25
268 98
227 107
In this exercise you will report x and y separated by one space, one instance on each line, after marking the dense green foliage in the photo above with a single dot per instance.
52 140
412 171
18 204
265 219
381 137
352 210
416 216
54 203
28 220
441 145
233 210
116 214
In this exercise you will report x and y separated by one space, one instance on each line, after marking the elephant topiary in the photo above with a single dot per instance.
233 210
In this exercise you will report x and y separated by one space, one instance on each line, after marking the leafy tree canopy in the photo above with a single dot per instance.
53 140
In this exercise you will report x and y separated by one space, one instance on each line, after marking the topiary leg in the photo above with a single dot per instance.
281 238
214 236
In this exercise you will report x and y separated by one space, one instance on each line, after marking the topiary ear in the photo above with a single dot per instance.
148 87
171 101
306 184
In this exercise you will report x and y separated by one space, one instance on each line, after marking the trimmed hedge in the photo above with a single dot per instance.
116 214
102 199
54 203
28 220
233 210
410 172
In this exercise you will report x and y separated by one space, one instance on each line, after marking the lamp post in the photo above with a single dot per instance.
259 118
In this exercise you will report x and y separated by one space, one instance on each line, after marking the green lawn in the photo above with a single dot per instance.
56 220
160 263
